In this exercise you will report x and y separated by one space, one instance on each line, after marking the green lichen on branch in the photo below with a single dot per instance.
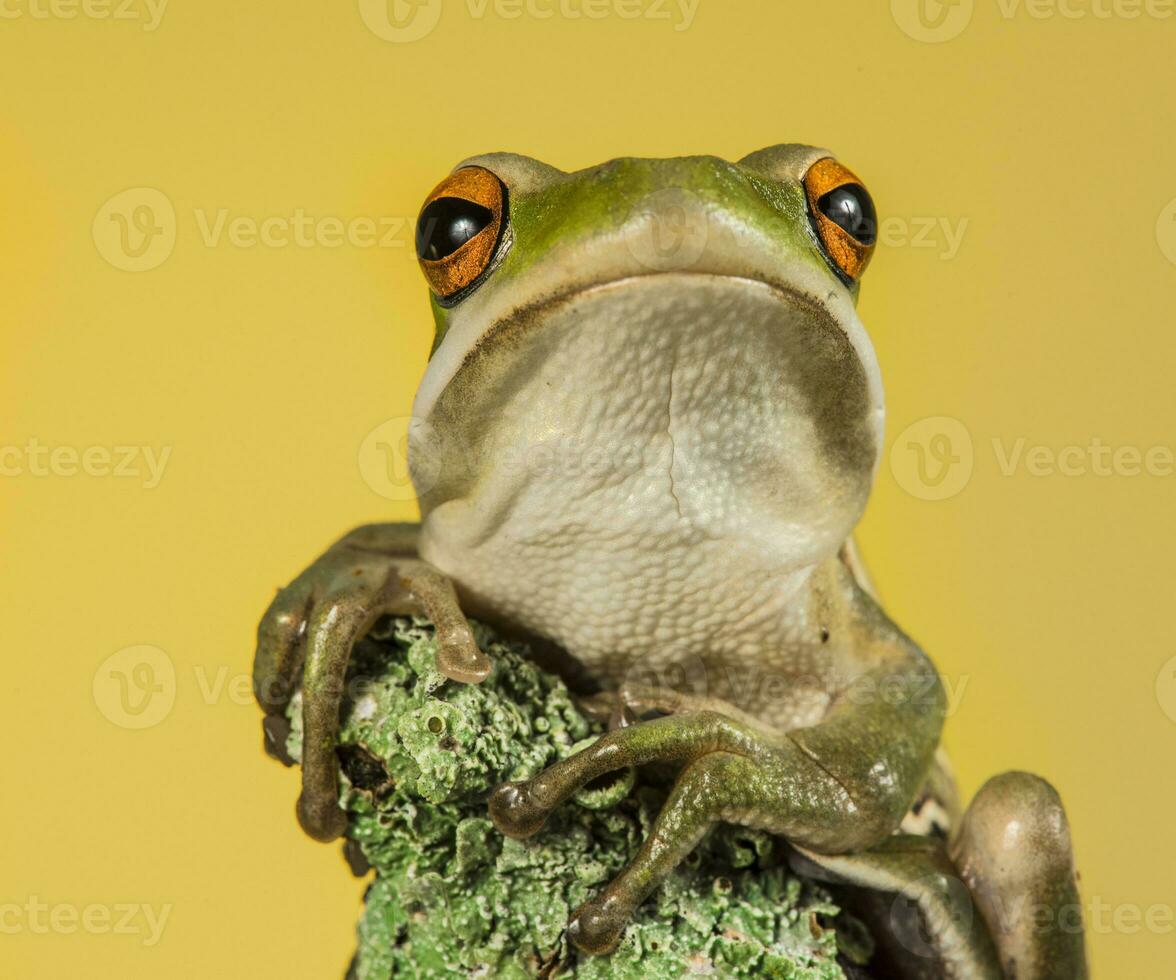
451 897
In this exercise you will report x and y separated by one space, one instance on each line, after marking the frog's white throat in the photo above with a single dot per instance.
645 438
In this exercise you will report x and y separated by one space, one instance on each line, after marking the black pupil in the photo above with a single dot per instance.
850 208
447 224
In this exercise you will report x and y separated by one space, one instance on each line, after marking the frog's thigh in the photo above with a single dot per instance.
1013 851
926 921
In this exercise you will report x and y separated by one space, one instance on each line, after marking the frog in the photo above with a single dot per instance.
646 433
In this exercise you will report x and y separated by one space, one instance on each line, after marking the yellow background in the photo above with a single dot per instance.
1050 597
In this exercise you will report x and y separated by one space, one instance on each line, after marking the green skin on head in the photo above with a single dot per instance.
650 394
601 201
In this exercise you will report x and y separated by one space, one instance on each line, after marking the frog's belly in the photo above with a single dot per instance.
667 608
637 600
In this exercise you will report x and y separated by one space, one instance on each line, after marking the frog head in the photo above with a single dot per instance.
671 343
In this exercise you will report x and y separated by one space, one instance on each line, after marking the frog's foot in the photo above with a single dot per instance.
1013 851
910 895
1004 904
836 786
315 621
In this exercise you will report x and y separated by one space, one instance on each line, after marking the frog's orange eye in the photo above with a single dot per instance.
842 215
459 229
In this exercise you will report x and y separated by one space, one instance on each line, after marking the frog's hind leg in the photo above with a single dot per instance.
1001 901
921 914
1013 851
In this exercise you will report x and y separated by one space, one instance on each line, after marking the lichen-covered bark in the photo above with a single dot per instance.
452 897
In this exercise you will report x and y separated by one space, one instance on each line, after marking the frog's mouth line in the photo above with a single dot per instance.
531 316
508 327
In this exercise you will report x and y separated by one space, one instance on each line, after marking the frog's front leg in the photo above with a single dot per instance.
840 785
315 621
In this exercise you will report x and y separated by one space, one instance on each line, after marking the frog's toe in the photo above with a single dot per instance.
320 817
281 636
515 811
596 926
